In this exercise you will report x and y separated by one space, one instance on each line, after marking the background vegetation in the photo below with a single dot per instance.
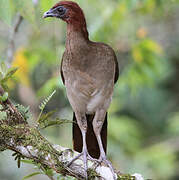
144 114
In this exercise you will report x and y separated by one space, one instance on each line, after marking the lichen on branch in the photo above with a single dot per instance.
27 142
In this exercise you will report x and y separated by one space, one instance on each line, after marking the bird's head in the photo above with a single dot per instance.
68 11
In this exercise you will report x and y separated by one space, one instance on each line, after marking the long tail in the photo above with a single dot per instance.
92 144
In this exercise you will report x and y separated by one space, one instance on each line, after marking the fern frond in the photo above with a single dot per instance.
48 122
43 105
46 100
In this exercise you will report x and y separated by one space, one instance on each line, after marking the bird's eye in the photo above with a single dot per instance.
60 9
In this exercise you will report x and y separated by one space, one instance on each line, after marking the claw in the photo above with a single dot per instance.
86 157
103 159
75 158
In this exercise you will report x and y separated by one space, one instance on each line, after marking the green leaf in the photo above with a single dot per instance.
4 86
31 175
4 97
46 116
49 172
24 111
3 115
6 74
11 71
27 161
3 68
1 76
5 12
9 74
1 107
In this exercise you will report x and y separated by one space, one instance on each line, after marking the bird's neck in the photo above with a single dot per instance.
77 36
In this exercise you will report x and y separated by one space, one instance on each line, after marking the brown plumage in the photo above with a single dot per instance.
89 71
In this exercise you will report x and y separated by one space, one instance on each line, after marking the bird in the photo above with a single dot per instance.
89 71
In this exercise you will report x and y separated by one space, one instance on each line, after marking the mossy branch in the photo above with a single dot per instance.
17 135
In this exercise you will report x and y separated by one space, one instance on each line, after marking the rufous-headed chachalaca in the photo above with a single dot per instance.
89 71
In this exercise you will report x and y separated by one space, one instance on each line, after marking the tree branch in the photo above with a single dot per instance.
17 135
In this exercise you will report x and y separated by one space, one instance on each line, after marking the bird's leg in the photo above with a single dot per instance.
85 152
97 126
82 123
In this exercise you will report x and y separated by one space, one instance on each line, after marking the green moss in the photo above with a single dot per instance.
126 177
92 174
2 148
24 111
3 114
24 135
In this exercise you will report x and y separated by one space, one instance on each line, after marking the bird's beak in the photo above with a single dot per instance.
49 13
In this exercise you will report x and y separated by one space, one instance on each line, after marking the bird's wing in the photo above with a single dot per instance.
61 72
116 69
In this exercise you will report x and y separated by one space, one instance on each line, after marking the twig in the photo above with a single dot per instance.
11 48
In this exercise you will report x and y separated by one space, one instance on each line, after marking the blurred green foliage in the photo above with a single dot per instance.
144 114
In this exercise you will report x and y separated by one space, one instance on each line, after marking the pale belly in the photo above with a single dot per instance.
87 99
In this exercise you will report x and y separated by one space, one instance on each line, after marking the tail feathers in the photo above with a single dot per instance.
92 144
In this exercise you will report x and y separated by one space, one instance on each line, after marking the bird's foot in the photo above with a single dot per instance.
74 159
86 157
103 159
